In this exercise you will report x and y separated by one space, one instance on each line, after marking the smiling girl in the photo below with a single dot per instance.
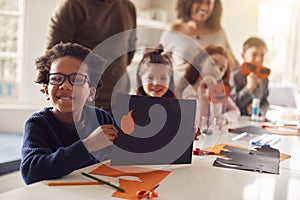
155 74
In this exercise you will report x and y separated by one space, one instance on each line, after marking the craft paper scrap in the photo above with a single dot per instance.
148 178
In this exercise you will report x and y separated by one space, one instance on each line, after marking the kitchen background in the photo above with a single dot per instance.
278 22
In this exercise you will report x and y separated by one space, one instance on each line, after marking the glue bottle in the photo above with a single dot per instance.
255 109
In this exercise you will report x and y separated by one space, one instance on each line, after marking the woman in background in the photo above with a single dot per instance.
199 26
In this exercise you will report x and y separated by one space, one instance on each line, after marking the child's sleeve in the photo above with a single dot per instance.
239 92
39 159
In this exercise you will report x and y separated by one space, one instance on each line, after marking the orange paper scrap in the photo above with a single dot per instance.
148 179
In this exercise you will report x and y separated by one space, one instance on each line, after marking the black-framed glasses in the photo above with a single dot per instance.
74 79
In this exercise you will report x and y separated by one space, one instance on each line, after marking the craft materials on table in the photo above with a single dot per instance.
261 159
103 182
219 148
149 179
265 140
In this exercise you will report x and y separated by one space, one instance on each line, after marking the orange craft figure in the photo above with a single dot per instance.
259 70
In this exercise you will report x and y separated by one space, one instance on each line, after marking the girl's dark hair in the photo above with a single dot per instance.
158 56
94 62
192 72
213 22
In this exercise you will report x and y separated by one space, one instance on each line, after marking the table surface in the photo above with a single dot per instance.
200 180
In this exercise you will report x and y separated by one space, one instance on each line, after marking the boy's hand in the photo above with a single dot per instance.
100 138
249 109
252 81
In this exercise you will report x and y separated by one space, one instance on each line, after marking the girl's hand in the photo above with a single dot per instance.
100 138
197 133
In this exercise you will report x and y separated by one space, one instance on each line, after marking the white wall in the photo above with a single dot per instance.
239 24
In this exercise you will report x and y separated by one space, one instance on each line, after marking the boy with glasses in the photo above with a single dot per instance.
60 139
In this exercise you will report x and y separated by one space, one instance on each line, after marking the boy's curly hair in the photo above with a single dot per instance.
94 62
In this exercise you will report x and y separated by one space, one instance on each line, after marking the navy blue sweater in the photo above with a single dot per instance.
52 149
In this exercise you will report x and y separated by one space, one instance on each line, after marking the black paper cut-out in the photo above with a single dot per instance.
263 159
163 131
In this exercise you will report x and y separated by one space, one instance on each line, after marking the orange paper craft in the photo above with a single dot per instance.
259 70
127 123
220 147
149 178
218 93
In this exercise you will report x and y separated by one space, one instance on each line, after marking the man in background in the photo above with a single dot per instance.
91 22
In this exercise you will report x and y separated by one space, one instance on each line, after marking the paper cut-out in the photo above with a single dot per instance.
221 147
148 179
127 123
163 131
259 70
264 159
218 93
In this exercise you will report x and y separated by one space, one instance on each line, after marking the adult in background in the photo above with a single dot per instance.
91 22
200 20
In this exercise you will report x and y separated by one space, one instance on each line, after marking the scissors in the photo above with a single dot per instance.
148 193
200 152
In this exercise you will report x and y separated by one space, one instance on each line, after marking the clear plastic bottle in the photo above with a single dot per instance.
255 109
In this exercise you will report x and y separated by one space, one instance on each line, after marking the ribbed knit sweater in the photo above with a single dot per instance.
52 149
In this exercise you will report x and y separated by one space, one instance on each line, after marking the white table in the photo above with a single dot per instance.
197 181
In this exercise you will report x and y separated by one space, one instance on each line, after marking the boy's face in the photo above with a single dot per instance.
68 98
156 80
254 54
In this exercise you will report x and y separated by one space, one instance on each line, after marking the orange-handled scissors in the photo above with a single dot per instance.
148 193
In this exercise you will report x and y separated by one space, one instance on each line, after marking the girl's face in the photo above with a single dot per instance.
156 79
201 10
254 54
215 66
65 97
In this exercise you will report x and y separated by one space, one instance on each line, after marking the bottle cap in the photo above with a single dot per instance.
255 102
